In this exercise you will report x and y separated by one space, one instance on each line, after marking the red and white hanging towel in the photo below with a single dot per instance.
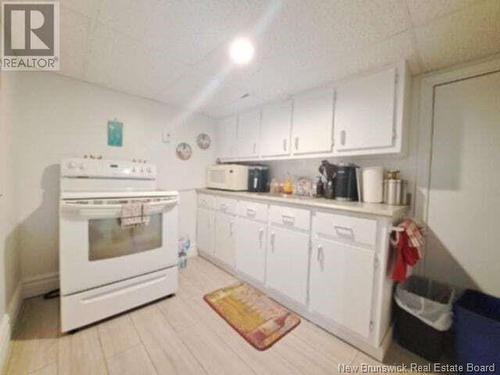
407 244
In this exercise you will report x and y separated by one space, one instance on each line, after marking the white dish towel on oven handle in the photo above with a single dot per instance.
134 213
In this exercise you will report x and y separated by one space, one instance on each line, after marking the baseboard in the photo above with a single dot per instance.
7 326
4 341
15 303
38 285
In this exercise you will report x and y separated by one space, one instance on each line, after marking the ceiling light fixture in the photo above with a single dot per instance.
241 51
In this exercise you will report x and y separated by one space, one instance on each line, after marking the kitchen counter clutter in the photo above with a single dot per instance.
378 209
324 259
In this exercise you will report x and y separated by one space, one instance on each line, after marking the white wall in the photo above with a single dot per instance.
56 117
9 259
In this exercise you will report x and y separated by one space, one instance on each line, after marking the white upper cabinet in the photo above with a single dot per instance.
368 114
362 116
313 122
275 129
226 137
248 135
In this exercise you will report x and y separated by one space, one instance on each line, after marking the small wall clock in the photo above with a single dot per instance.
203 141
183 151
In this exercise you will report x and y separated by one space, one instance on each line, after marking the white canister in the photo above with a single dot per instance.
372 184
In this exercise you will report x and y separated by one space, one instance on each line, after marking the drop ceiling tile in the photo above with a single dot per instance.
462 36
190 30
88 8
422 11
333 25
124 64
235 107
74 32
130 17
398 47
200 92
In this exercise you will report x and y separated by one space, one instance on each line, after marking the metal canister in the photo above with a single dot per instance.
404 193
386 191
393 192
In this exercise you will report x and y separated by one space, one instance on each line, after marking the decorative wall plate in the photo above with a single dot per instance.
183 151
203 141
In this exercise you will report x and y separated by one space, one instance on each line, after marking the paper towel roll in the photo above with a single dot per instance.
373 184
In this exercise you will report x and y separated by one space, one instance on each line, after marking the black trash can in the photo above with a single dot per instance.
423 315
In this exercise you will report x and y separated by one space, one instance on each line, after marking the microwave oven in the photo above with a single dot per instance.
228 177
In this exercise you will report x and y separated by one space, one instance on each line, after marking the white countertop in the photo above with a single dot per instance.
378 209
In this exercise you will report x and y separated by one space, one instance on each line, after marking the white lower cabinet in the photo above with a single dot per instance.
225 244
205 231
251 248
341 284
322 263
287 263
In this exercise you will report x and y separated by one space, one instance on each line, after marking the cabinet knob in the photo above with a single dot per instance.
284 144
273 235
320 256
296 143
261 235
342 137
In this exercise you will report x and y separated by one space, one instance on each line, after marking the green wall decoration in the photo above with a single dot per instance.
115 133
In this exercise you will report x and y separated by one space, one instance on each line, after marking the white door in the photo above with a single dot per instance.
226 137
276 125
251 248
464 200
365 113
313 122
248 134
225 238
341 284
287 263
205 231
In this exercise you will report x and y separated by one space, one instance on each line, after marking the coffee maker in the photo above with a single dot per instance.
340 182
346 182
258 177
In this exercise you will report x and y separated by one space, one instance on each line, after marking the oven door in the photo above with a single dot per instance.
95 249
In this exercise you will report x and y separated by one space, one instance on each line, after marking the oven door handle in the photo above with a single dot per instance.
109 210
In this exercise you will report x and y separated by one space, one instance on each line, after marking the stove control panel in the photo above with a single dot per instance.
99 168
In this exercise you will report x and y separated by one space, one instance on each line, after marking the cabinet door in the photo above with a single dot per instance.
341 284
365 113
251 248
226 137
313 122
225 238
205 231
275 129
287 263
248 134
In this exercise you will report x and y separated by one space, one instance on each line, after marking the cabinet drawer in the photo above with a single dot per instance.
226 205
252 210
206 201
346 228
290 217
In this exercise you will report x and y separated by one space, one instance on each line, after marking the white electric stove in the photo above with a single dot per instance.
107 268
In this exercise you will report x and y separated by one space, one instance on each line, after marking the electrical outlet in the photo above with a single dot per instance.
166 137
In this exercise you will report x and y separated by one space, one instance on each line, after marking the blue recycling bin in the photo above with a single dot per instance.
477 332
